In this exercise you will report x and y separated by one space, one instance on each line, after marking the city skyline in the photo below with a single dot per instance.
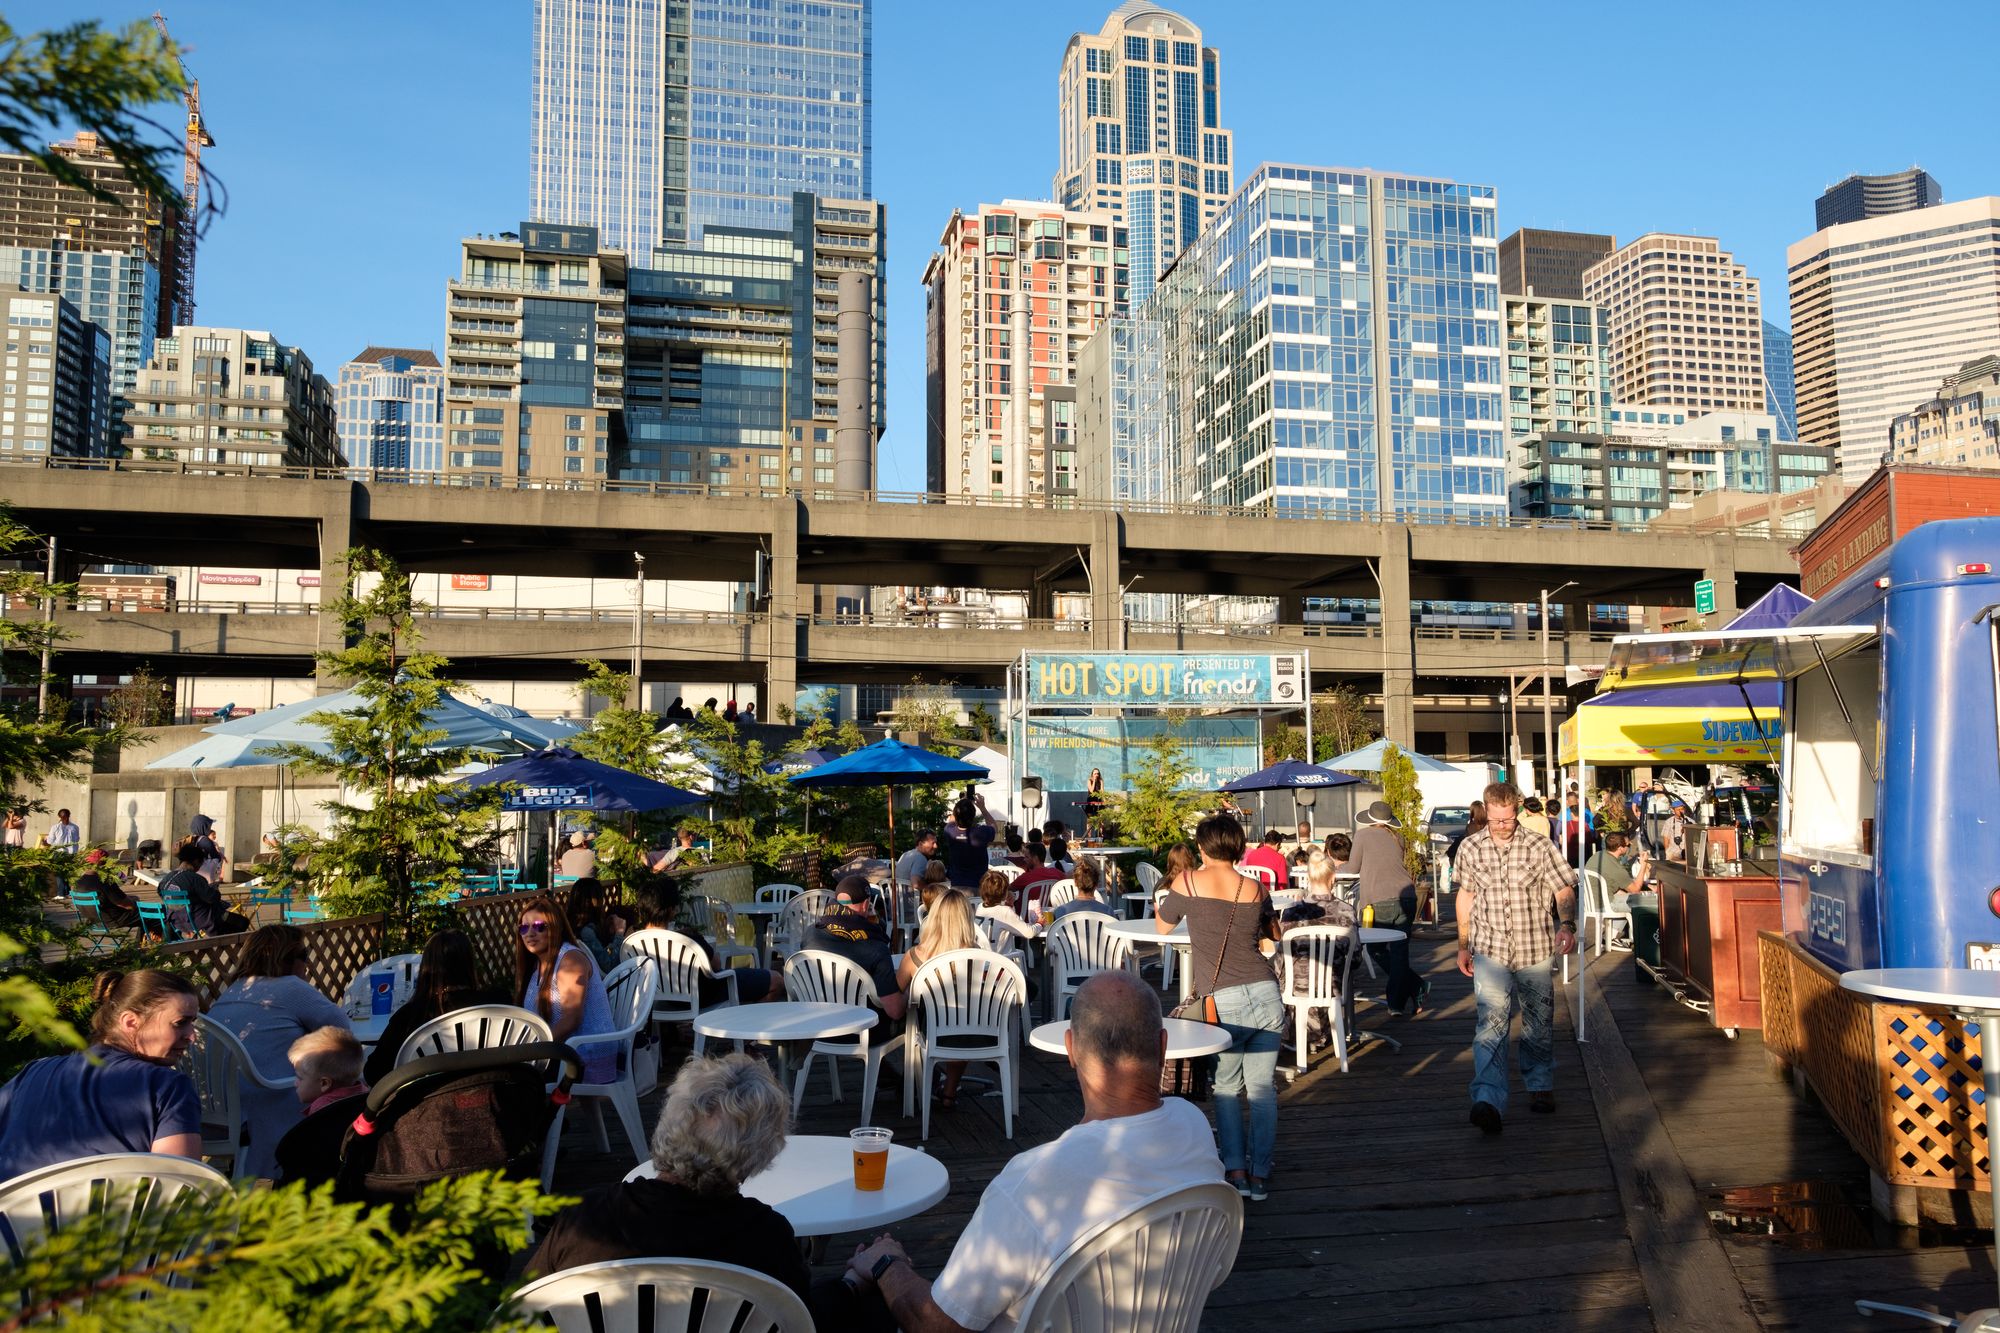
295 177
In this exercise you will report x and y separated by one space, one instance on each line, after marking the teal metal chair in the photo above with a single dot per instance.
90 914
262 897
154 923
295 916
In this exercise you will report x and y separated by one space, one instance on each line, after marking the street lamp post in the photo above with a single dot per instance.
1548 709
638 630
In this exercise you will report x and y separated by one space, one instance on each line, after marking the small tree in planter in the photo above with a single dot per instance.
1406 800
1158 809
396 846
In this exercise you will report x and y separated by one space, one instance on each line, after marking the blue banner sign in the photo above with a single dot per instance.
1062 751
1165 680
580 796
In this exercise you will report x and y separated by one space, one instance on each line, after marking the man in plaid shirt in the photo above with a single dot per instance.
1516 914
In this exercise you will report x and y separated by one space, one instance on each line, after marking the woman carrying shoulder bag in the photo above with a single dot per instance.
1227 915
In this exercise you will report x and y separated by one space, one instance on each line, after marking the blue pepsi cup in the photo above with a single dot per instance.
382 992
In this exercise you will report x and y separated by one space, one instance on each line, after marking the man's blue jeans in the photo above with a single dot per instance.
1497 991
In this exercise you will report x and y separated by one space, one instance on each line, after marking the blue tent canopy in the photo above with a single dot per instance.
1774 610
803 761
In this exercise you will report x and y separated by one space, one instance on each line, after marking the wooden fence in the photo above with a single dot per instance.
337 950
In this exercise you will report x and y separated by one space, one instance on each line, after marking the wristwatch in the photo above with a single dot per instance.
1569 926
882 1266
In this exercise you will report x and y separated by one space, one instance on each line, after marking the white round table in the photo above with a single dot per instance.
760 915
1974 996
1146 930
1185 1038
368 1030
812 1185
783 1020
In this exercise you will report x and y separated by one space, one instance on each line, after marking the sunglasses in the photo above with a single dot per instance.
534 927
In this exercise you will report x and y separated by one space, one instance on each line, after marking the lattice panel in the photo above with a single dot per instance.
1781 1015
494 925
1933 1098
335 951
1838 1048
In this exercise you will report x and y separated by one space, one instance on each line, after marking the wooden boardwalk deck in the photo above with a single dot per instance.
1389 1211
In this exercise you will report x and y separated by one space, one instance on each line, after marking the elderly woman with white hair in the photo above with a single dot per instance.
724 1120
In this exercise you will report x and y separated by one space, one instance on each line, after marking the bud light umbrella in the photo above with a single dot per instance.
889 763
559 779
1290 775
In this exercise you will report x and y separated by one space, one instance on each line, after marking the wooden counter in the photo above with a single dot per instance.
1708 939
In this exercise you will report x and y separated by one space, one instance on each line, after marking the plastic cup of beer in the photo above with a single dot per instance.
871 1156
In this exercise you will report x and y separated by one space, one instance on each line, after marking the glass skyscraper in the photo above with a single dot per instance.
389 409
1330 345
653 119
1780 392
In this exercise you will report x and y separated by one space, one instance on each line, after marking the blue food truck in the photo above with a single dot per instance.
1889 824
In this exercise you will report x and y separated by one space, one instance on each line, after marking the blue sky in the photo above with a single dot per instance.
359 140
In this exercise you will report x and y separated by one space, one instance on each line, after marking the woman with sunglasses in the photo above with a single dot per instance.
559 980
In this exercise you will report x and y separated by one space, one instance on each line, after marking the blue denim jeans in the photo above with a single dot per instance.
1253 1015
1497 991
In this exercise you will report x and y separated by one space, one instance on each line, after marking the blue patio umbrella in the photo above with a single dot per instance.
561 779
889 763
244 741
1291 775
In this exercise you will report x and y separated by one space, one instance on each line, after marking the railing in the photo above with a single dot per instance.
567 615
1053 506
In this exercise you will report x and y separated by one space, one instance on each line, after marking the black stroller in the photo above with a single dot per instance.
446 1116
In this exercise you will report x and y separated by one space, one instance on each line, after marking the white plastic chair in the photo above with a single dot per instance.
1007 868
715 920
219 1066
788 932
143 1189
1262 874
681 966
1058 893
1038 895
1314 953
819 977
629 987
477 1027
404 965
779 893
1080 946
662 1296
1002 939
964 1005
1613 918
1151 1269
1149 876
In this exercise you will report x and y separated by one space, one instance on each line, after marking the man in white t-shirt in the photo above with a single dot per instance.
1129 1146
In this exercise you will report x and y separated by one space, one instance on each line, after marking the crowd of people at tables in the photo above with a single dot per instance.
725 1119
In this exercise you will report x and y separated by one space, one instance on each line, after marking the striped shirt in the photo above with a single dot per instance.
1514 886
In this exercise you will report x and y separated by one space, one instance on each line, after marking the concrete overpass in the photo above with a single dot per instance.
148 513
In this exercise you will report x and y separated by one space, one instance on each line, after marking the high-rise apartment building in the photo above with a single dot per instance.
1780 389
389 406
1331 345
112 259
1013 293
1654 461
1687 326
534 365
733 354
55 380
1960 427
1550 264
1882 311
1558 366
1861 197
652 119
215 395
1140 133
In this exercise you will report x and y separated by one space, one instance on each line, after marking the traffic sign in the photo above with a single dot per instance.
1704 597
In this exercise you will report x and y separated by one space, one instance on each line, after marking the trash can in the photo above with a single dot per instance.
1645 933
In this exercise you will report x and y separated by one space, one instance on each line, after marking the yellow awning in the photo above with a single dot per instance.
1608 734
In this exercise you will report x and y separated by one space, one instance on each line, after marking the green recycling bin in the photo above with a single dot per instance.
1645 933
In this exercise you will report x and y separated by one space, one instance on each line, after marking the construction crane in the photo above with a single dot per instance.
197 138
